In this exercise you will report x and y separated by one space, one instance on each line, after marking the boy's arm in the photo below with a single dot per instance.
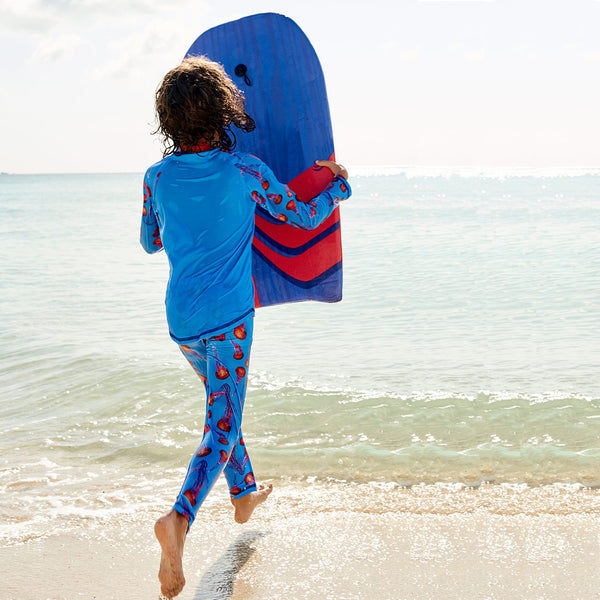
149 233
282 203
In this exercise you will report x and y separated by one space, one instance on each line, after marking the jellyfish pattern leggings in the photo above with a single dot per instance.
221 362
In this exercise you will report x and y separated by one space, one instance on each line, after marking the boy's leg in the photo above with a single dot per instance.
171 528
238 471
222 363
245 497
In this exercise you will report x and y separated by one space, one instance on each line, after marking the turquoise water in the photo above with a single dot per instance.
466 349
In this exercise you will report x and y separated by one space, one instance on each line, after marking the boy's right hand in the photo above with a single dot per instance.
335 168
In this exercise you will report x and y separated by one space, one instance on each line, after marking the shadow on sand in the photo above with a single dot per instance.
217 583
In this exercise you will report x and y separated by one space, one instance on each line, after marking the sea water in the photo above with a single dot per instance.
466 350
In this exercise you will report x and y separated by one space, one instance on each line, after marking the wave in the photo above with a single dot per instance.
85 504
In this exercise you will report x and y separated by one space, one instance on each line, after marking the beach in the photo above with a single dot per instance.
307 543
434 435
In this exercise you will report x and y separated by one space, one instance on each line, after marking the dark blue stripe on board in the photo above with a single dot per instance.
297 282
291 251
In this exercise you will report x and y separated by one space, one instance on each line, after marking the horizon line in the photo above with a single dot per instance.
382 169
363 167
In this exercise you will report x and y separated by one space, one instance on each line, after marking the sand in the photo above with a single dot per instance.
392 544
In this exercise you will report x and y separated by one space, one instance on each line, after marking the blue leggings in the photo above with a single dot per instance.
221 361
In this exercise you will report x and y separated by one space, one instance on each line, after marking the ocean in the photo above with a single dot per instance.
464 355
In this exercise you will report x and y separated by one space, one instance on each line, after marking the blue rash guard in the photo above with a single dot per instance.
200 208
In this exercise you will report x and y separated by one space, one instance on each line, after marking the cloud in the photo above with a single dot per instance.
130 52
26 15
52 48
120 34
36 16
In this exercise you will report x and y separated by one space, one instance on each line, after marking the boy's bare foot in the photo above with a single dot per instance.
244 506
170 531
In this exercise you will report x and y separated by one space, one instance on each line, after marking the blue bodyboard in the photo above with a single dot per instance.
272 61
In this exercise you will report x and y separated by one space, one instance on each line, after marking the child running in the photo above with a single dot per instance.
199 204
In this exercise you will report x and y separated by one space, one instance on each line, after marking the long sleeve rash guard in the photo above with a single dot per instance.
200 208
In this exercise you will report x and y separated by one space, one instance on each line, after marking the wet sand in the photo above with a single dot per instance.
392 544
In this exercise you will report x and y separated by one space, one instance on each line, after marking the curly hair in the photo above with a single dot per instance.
197 101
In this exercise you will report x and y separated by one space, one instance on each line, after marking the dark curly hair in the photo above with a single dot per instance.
197 101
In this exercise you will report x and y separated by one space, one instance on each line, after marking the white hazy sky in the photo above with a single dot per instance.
411 82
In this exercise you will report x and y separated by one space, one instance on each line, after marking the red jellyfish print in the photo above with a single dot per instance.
291 205
224 457
187 350
253 172
238 354
222 391
275 198
235 464
192 494
258 198
235 490
240 332
203 451
224 424
265 185
249 479
221 372
241 372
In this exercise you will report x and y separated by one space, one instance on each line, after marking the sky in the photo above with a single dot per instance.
453 83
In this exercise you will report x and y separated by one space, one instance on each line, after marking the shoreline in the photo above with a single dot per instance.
333 541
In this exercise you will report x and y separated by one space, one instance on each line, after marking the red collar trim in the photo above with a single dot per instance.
202 147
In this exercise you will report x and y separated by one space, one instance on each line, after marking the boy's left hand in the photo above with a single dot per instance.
335 168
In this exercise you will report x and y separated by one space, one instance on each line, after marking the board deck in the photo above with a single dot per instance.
272 61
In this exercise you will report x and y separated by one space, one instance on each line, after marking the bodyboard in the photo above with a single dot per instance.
272 61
